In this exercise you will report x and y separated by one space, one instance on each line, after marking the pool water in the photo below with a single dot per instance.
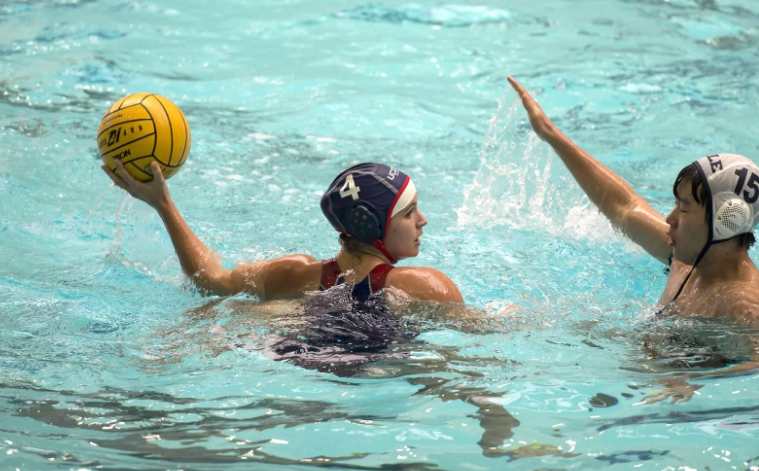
109 360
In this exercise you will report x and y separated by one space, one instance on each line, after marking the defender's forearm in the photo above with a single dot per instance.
197 260
607 190
748 367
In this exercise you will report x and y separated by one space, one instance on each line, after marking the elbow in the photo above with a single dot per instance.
634 209
211 284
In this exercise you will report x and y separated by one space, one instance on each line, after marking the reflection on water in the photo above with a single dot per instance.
108 359
361 341
141 423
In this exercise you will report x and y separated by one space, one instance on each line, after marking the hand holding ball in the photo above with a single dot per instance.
141 128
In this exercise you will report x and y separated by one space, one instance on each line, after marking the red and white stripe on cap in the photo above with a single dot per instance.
402 199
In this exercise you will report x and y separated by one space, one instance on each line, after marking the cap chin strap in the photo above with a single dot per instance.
698 259
709 241
379 245
721 212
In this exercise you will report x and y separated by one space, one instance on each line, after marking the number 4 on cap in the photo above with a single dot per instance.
349 188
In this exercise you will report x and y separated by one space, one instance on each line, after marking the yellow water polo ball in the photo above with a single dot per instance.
141 128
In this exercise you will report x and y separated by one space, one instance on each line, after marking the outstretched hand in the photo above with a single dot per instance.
155 192
676 389
540 123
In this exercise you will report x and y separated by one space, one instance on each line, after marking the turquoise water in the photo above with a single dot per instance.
108 360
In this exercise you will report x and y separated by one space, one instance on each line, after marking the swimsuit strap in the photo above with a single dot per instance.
377 277
330 273
373 283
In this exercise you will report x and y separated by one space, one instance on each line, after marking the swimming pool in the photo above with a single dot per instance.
109 361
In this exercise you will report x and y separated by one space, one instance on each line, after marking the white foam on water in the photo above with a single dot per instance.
520 185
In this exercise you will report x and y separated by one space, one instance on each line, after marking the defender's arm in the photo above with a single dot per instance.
613 196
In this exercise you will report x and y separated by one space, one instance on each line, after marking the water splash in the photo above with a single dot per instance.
516 185
98 202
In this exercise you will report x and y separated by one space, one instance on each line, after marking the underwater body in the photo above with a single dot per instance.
109 359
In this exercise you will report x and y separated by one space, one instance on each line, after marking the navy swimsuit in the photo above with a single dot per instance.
369 287
346 325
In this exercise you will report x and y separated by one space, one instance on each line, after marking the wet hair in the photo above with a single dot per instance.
690 173
351 245
698 190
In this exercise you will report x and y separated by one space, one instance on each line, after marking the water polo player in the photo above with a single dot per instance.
705 239
372 206
350 312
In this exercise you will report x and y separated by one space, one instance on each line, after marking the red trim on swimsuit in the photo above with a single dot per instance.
377 277
331 272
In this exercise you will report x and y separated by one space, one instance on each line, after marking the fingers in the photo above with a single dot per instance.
680 398
517 86
532 107
115 178
124 179
155 169
675 397
136 184
126 176
655 397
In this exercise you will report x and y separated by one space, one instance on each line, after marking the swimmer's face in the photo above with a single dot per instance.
402 239
688 229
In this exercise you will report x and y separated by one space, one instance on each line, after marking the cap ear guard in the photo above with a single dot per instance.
361 201
733 217
724 177
732 186
363 223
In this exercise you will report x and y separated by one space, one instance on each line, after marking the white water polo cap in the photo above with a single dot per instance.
732 188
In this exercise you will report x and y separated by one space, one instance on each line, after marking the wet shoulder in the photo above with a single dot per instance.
423 284
739 301
292 275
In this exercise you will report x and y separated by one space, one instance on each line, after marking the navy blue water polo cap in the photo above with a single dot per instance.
362 199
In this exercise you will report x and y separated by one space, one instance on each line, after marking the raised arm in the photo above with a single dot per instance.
613 196
266 279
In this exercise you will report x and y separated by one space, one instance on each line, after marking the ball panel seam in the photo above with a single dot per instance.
171 129
128 143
